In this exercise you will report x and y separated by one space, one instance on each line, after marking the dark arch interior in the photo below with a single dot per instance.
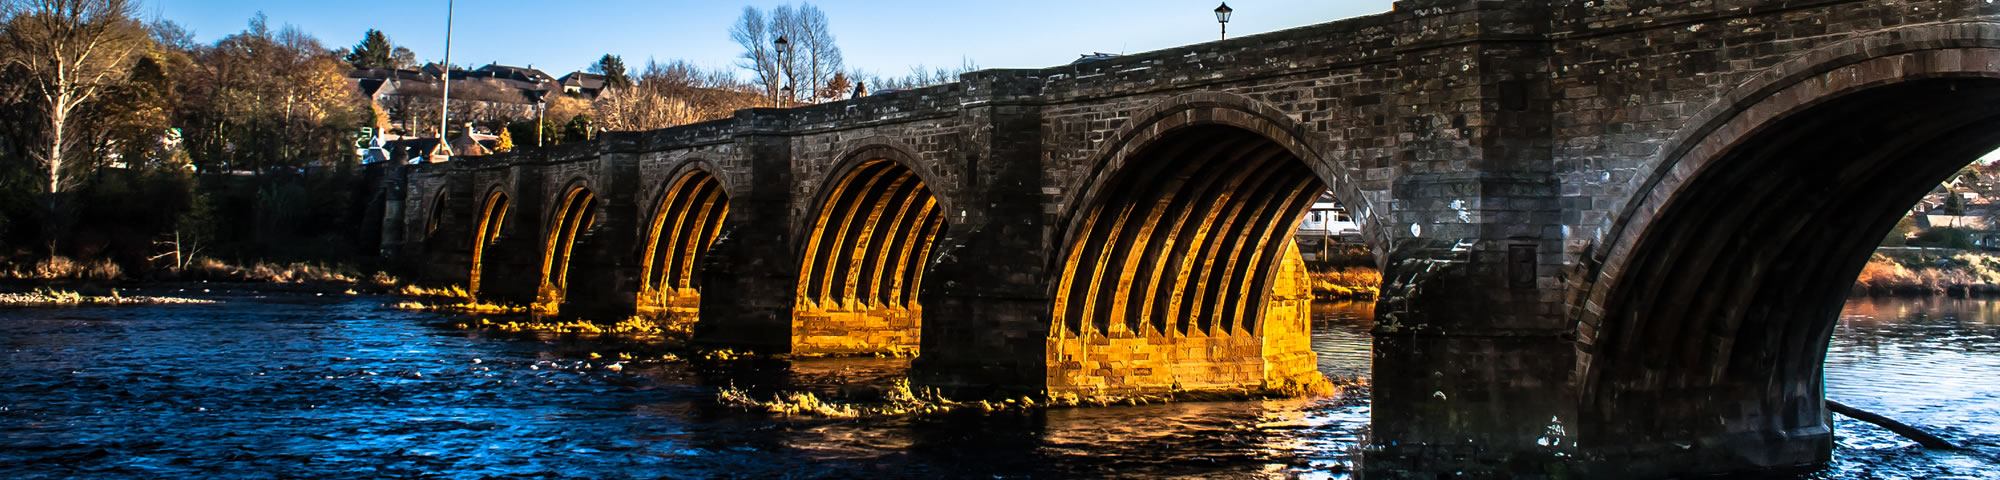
435 218
871 239
492 218
690 215
1720 321
575 217
1187 238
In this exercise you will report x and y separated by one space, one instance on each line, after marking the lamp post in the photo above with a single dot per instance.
1222 17
784 51
444 111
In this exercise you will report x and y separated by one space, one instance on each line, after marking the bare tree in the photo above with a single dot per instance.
759 57
920 76
819 58
807 66
72 51
671 94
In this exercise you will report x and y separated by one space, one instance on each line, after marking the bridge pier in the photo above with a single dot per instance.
1464 378
510 262
603 274
986 300
750 274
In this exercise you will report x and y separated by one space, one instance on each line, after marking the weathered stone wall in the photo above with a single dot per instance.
1503 158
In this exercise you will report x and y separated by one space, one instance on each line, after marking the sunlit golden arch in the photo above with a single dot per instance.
864 257
690 214
1185 238
492 221
575 214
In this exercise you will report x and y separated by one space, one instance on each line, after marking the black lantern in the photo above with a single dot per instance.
784 49
1222 17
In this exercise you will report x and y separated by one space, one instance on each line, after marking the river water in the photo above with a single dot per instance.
292 385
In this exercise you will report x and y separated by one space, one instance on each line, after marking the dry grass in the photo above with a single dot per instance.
462 307
452 292
294 273
1933 275
1351 282
677 326
898 399
64 298
63 268
901 399
633 326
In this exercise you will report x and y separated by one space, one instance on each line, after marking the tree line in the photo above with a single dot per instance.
116 133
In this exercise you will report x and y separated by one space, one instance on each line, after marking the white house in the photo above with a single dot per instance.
1325 224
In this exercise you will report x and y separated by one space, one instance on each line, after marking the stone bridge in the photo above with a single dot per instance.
1616 233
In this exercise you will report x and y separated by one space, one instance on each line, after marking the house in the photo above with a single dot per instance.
489 94
587 85
1326 223
527 75
474 144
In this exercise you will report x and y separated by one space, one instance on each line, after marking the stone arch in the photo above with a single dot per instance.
570 218
730 184
877 148
434 219
1180 247
493 210
864 255
690 210
1228 109
1707 306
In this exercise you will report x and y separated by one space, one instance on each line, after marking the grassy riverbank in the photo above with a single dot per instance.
50 272
1910 271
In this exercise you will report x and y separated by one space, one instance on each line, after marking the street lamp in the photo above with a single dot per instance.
541 116
1222 17
785 50
444 112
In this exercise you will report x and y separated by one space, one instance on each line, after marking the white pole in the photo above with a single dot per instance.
444 109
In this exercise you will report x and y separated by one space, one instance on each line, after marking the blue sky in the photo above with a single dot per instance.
881 36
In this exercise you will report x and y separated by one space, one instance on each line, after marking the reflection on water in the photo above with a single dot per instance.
294 385
1932 362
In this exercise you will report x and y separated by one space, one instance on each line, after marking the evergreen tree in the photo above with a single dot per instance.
374 51
612 67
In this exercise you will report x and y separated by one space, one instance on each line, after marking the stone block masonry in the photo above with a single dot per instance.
1572 202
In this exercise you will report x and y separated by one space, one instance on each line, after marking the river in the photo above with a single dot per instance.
336 386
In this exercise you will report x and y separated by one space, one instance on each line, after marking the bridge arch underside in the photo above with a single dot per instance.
492 220
689 216
863 264
1182 274
572 218
1713 337
434 221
